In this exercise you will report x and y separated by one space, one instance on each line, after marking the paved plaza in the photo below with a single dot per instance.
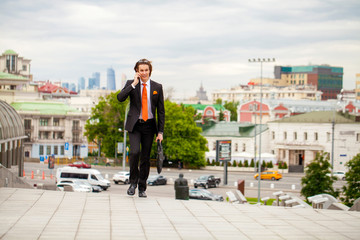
44 214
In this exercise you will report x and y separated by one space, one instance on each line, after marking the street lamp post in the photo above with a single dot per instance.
124 150
261 61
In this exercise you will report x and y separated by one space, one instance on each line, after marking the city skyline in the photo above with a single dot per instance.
199 41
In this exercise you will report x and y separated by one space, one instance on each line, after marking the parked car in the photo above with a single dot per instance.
156 180
207 181
270 175
79 164
122 176
75 187
84 184
203 194
339 174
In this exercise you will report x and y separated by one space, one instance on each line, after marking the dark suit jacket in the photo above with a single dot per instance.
157 103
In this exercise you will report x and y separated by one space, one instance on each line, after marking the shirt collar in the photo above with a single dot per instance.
147 82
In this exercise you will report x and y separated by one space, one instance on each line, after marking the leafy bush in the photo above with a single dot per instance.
240 164
269 165
234 164
252 164
213 162
246 163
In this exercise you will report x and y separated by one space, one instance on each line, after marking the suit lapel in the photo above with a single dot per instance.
138 90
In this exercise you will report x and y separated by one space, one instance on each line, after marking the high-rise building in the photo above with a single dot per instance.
65 85
326 78
201 94
81 84
72 87
111 85
94 81
357 87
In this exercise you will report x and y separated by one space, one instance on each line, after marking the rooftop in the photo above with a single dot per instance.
231 129
10 52
202 107
52 108
317 117
8 76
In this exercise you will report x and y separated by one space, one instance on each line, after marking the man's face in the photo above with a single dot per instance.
144 72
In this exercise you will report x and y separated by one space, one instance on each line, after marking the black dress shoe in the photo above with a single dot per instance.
131 190
142 194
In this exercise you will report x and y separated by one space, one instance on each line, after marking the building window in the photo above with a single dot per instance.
24 68
236 147
328 136
56 122
316 136
244 147
41 150
27 124
273 135
76 125
46 135
62 150
285 135
56 150
48 150
44 121
295 135
305 136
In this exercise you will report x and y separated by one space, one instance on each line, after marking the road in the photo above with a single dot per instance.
290 183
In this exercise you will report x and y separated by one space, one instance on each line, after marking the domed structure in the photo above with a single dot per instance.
12 134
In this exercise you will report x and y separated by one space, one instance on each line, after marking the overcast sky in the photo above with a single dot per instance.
189 42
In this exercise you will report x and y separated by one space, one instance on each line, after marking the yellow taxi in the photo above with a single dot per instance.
271 175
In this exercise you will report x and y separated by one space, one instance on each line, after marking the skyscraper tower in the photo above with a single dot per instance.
94 81
111 79
81 84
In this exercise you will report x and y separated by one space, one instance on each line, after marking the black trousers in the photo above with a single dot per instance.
141 139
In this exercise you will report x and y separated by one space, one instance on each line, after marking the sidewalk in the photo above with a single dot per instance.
40 214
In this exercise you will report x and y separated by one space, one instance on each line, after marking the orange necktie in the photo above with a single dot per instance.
144 104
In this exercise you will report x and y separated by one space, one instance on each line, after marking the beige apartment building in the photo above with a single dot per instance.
53 128
244 93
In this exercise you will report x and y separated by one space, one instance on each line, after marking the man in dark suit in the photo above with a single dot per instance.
146 103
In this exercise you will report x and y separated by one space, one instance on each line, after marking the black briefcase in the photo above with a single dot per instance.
160 157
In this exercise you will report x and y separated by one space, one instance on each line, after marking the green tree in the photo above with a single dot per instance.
103 125
240 164
234 164
246 163
232 107
218 101
221 115
317 179
352 188
252 163
182 138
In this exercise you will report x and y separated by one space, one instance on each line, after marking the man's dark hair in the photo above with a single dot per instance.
143 62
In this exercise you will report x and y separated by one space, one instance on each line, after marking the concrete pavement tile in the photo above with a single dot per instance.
333 236
229 235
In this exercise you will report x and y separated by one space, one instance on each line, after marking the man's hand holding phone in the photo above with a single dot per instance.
136 79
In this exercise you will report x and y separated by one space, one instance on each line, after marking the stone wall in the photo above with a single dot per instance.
9 179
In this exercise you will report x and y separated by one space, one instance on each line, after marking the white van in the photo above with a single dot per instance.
93 176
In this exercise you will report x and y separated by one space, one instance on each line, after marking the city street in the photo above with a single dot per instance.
290 182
